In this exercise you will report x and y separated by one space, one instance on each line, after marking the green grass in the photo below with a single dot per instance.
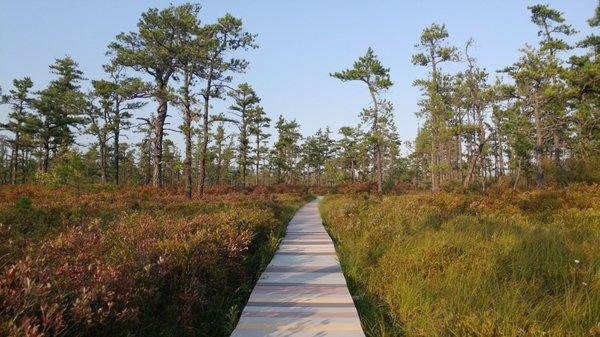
443 264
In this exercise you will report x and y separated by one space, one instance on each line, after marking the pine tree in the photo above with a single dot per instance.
223 38
286 150
349 150
316 151
153 50
477 99
258 122
552 26
21 123
583 78
435 52
190 61
244 102
369 70
59 108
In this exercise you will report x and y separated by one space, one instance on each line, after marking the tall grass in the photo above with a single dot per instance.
444 264
132 261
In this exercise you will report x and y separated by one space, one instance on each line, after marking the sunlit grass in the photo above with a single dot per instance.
443 264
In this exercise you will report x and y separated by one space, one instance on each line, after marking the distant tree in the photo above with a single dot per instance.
99 126
349 149
539 89
368 69
223 38
173 164
21 123
59 108
517 128
191 61
130 172
258 122
477 98
530 83
551 26
390 141
154 49
583 78
435 51
317 150
186 100
244 102
550 23
286 151
4 160
119 97
592 41
145 149
218 150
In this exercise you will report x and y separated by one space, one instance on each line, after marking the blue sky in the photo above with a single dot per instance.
301 42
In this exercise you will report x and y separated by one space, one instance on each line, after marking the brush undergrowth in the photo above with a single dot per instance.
132 261
445 264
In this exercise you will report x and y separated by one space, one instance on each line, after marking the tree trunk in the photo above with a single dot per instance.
244 154
459 167
46 160
204 145
148 175
187 133
435 151
379 168
159 123
473 165
557 147
117 149
375 131
187 163
257 155
14 159
103 164
518 175
116 159
500 155
434 185
539 155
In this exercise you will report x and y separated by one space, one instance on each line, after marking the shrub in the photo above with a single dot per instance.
357 188
132 261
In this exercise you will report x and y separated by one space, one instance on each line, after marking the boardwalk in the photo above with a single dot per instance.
303 291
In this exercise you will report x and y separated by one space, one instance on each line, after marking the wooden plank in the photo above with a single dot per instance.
302 293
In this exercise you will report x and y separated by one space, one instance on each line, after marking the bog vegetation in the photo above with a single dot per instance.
100 262
448 264
101 235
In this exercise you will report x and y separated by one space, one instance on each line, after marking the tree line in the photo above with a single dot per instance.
535 123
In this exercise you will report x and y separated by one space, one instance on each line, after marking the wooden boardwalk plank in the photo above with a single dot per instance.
302 293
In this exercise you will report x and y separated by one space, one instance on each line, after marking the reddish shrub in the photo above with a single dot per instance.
401 187
61 286
144 258
219 189
261 189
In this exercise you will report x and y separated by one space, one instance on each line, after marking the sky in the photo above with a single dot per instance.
301 42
